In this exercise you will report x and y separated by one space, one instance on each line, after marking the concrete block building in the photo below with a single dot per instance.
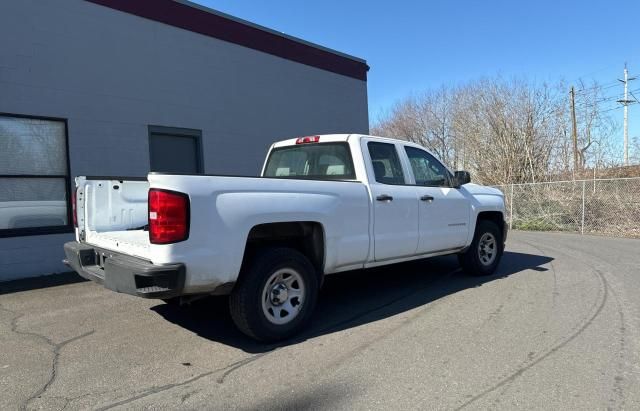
124 87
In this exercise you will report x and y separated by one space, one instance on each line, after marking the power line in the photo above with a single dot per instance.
597 71
601 87
596 103
611 109
605 99
604 86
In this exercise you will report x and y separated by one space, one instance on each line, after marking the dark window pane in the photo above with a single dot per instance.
322 161
174 154
32 202
386 164
31 146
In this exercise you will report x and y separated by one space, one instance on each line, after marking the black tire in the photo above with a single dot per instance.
473 261
246 300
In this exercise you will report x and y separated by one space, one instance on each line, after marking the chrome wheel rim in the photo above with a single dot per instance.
283 296
487 249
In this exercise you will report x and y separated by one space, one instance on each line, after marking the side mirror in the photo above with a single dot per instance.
461 178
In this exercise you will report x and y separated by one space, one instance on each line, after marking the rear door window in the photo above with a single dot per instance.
386 163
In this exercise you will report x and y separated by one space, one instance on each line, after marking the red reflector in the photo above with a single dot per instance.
168 216
74 210
308 139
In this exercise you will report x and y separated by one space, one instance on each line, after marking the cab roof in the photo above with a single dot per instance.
333 138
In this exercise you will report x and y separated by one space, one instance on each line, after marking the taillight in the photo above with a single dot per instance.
309 139
168 216
74 208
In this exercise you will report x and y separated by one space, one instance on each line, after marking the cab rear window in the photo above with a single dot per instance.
326 161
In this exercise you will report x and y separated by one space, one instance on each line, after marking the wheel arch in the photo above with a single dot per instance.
496 217
307 237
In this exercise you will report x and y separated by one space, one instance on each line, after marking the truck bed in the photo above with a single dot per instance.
112 212
223 211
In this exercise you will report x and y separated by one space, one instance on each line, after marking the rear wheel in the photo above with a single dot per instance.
275 295
484 253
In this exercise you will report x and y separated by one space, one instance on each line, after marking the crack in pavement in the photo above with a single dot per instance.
233 367
54 366
158 389
55 350
618 388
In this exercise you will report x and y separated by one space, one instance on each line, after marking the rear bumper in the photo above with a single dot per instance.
125 274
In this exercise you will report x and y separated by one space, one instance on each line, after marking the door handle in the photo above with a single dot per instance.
427 198
384 197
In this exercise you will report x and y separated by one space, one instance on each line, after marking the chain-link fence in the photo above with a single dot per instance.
602 206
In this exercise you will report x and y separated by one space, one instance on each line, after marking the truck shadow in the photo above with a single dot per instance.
353 298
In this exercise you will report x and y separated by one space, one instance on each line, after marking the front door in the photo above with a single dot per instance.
395 205
444 210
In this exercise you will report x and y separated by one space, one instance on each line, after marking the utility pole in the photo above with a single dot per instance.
574 130
625 102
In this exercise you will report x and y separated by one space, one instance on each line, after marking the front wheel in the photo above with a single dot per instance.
275 295
484 253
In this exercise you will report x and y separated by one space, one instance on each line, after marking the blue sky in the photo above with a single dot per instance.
416 45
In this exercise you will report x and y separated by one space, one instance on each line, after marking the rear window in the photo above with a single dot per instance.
327 161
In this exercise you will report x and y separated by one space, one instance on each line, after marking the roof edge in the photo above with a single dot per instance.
269 30
212 23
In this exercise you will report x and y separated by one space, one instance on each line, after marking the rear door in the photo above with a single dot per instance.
395 205
443 211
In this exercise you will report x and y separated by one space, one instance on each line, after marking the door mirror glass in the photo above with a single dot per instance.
462 178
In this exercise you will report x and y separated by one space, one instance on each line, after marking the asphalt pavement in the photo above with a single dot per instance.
557 327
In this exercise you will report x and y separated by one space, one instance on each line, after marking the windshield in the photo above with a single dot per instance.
331 161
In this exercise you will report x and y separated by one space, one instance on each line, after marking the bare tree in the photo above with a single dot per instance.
425 119
634 150
503 131
595 127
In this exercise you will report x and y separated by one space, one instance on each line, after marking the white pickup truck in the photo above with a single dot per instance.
323 205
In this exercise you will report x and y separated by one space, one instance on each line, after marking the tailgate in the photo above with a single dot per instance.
112 214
